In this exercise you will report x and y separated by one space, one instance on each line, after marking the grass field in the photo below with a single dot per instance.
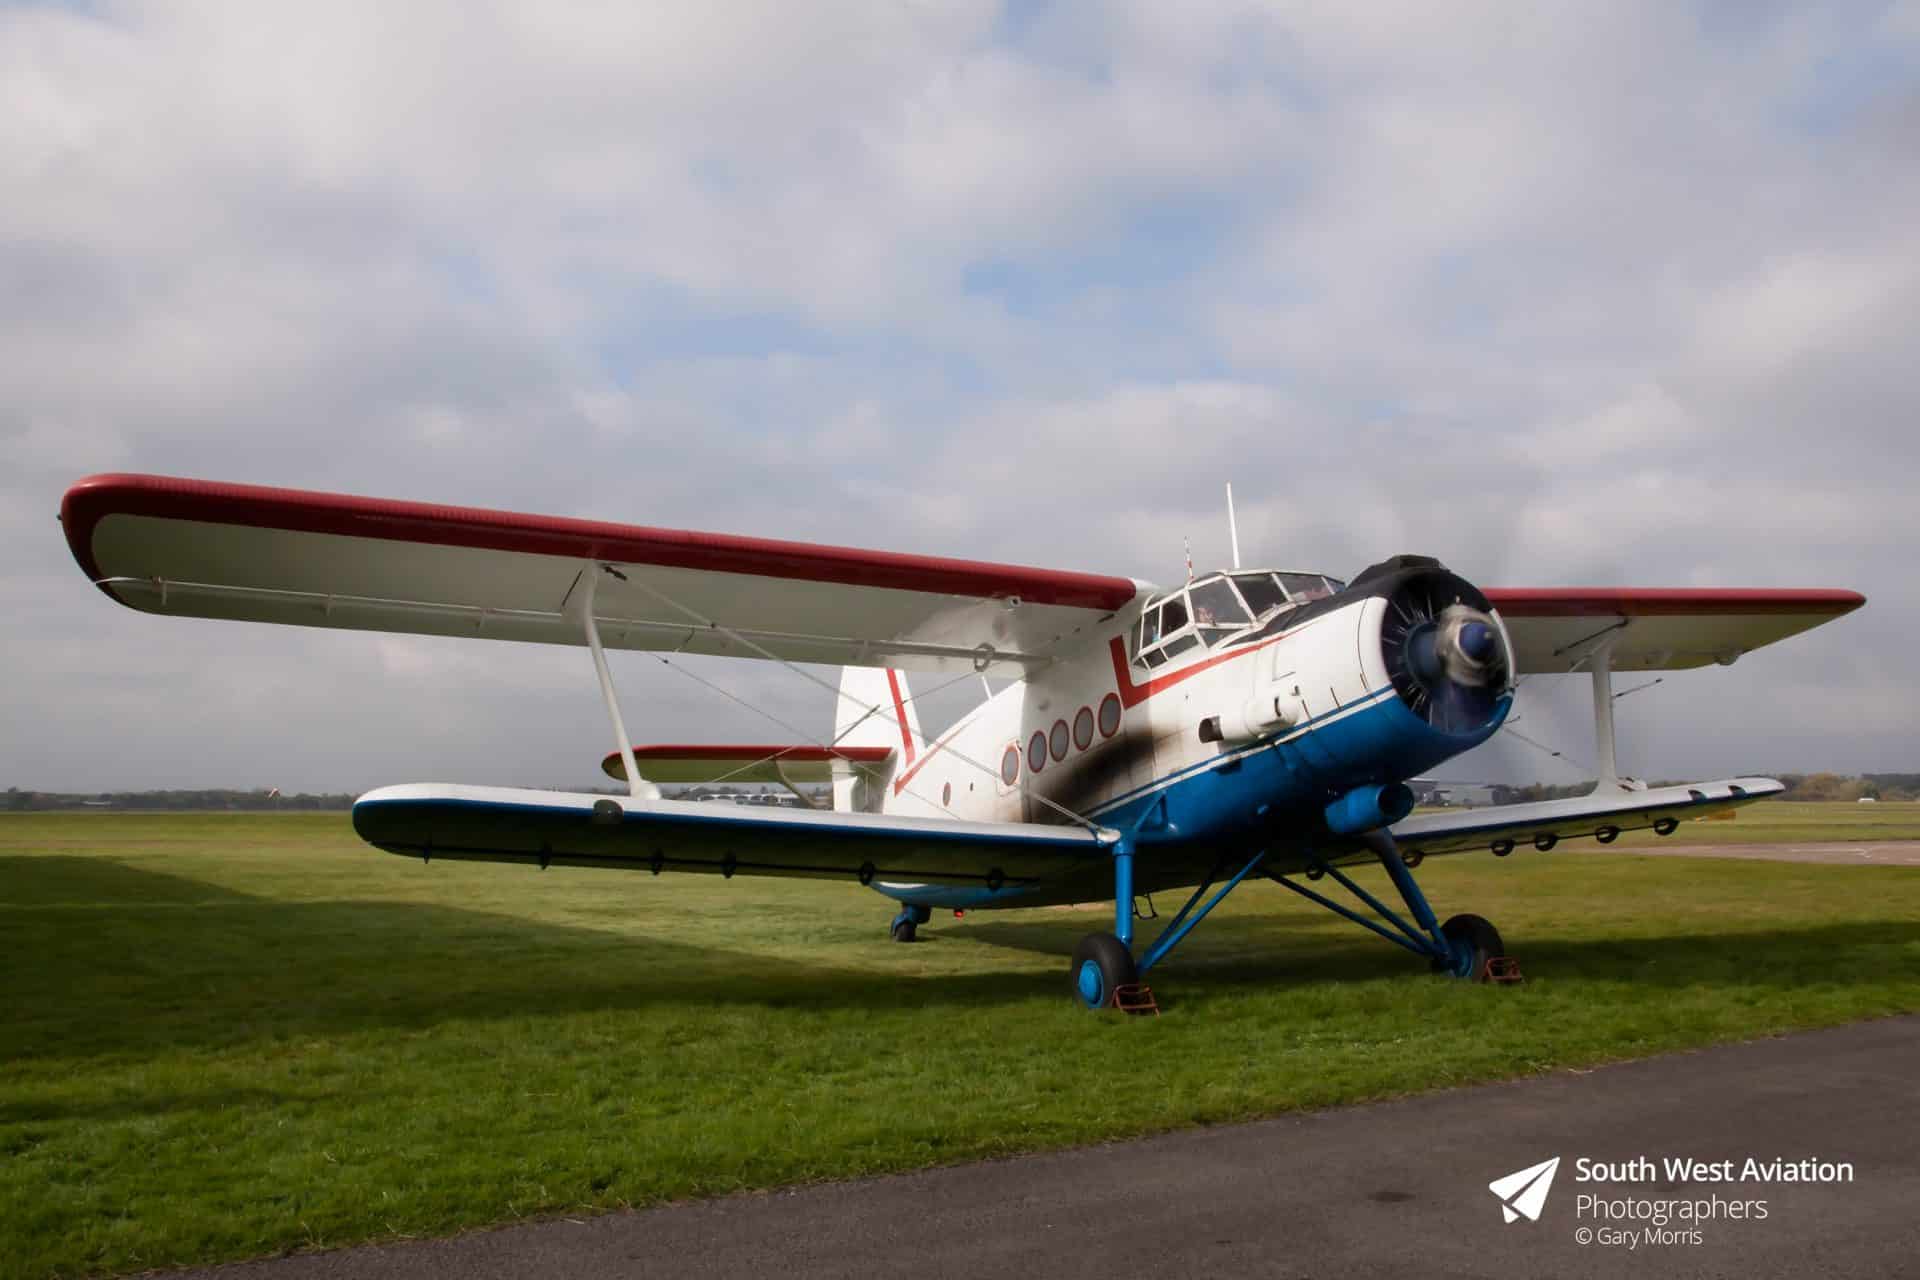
227 1035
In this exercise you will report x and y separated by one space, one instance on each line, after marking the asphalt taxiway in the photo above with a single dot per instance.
1389 1189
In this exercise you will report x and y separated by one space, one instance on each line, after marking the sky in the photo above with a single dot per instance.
1562 294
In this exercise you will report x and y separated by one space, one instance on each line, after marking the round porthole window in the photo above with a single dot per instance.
1057 740
1036 752
1010 765
1110 715
946 793
1083 729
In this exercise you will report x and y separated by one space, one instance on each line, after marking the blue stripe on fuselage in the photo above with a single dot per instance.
1278 786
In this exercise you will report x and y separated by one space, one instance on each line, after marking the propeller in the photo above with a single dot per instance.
1444 651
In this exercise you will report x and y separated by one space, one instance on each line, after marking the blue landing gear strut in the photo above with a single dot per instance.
1463 946
1103 963
910 918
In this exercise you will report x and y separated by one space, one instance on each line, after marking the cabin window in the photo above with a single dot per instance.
1057 740
1010 765
1110 715
1037 752
1083 728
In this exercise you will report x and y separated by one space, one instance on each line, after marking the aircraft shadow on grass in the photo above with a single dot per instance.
130 961
126 961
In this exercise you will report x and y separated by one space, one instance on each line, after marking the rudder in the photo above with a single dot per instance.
874 709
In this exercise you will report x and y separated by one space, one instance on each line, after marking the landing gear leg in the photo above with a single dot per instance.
1103 962
1465 946
908 921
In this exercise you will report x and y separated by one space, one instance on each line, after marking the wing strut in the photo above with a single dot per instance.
1600 662
637 787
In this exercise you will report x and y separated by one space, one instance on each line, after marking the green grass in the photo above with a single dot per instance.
230 1035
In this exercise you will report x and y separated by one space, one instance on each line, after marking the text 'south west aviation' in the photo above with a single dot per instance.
1244 723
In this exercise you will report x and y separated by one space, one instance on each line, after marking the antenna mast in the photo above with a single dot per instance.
1233 527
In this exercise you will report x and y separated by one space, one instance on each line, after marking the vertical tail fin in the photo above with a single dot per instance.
874 710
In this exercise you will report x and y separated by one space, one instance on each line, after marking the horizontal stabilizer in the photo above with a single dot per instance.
745 763
1555 820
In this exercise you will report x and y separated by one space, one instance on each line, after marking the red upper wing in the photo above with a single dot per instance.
1555 628
202 548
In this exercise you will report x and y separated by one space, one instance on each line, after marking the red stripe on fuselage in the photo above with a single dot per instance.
1132 695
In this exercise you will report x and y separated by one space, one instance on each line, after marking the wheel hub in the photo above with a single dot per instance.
1091 985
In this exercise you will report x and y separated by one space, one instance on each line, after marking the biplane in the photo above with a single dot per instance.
1245 723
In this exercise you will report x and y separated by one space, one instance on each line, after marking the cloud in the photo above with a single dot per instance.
1611 295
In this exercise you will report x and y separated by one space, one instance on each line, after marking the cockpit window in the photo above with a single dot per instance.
1217 610
1260 592
1306 586
1164 631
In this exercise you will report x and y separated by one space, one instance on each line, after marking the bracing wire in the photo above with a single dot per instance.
734 635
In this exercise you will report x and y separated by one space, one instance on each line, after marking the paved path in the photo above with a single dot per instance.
1890 853
1393 1189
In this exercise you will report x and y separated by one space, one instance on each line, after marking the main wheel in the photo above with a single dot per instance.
1474 943
903 928
1101 964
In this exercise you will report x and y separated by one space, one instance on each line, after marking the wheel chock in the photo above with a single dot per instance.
1503 969
1136 998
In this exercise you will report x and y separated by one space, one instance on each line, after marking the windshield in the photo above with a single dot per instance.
1306 586
1260 592
1217 610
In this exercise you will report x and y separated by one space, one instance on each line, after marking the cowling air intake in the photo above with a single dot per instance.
1444 650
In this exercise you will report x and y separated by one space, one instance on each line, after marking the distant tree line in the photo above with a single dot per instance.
261 801
1867 786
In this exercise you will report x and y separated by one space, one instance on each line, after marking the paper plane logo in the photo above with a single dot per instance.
1524 1194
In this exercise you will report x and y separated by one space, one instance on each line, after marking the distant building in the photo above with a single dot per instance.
1469 795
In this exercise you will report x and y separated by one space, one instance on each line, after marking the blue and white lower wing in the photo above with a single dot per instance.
557 828
1604 815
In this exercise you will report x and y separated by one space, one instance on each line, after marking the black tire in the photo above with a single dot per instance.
1607 834
1665 826
1481 936
1101 964
903 930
